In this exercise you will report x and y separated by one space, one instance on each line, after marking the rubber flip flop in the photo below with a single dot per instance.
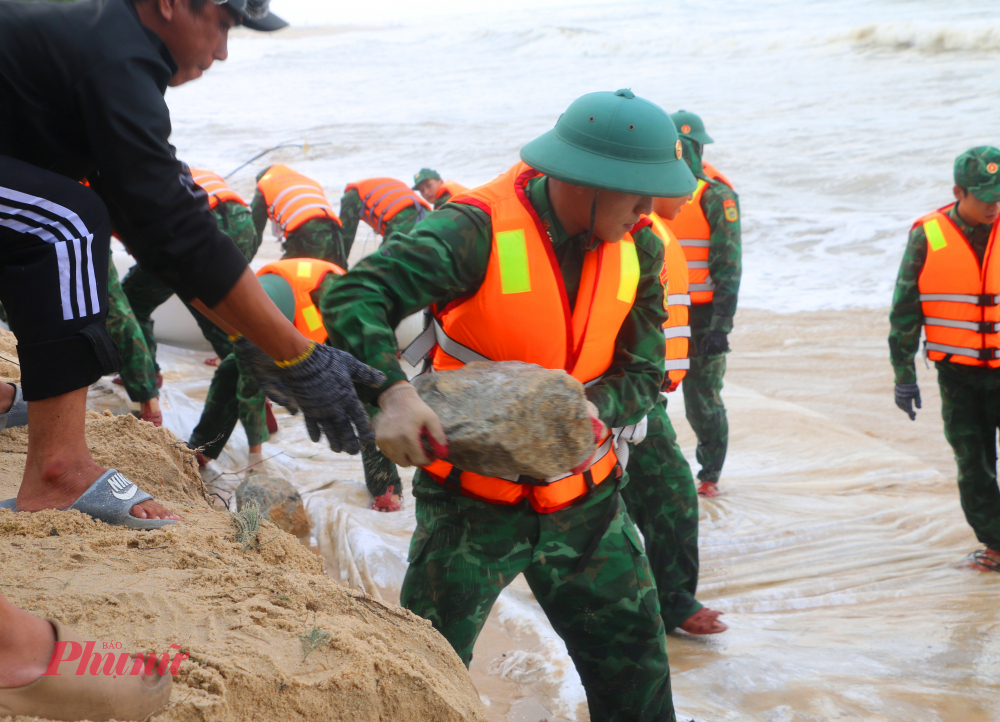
109 499
983 561
386 503
17 415
67 694
708 489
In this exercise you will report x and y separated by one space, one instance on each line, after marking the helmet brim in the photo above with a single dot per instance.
267 24
556 158
698 136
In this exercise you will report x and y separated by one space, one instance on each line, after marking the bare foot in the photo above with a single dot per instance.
984 560
26 646
708 488
59 489
704 621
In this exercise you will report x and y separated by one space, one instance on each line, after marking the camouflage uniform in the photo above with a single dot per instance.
229 398
351 210
464 551
970 396
138 366
663 502
319 238
702 386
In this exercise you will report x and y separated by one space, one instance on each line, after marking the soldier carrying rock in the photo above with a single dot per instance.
548 264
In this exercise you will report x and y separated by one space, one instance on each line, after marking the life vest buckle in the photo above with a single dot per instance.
989 327
988 300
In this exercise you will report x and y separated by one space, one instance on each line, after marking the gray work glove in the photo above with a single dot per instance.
322 386
908 396
714 343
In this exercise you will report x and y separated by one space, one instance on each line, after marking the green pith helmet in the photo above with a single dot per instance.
978 171
614 141
425 174
691 126
281 293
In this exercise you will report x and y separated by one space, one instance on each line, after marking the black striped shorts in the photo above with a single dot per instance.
54 246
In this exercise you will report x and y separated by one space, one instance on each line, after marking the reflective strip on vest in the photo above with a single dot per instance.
678 364
983 354
677 332
694 243
984 327
961 298
455 349
708 285
697 264
679 299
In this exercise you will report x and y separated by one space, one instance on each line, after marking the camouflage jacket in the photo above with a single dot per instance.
906 316
721 207
445 257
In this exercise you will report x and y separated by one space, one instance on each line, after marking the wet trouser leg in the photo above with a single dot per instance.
380 471
55 239
663 501
464 552
706 413
138 367
234 394
145 293
970 407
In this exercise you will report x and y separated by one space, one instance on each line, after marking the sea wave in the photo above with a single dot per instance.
927 38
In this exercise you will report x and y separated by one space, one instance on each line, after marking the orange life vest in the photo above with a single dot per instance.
694 234
217 189
304 276
521 313
292 198
451 188
959 298
383 198
677 329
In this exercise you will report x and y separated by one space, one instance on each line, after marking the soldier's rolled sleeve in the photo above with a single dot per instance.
906 316
628 390
149 193
444 257
725 263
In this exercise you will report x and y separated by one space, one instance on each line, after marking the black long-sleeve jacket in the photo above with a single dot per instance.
81 94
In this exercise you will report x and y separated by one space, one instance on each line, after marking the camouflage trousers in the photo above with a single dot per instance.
380 472
319 238
464 552
970 406
702 388
138 363
233 394
662 500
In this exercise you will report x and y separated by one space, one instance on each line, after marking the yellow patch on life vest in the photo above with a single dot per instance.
731 213
303 269
512 254
628 281
935 236
312 318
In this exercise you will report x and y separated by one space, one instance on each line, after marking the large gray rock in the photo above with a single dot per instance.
278 500
510 418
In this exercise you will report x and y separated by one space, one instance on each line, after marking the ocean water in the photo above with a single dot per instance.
837 120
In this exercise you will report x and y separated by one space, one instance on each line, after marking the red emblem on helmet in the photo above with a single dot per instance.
991 168
685 128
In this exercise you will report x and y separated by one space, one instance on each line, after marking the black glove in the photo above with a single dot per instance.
322 386
908 396
714 343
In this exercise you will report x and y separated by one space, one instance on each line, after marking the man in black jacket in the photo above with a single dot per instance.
81 95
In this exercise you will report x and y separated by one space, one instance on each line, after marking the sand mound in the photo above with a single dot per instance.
8 350
238 613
